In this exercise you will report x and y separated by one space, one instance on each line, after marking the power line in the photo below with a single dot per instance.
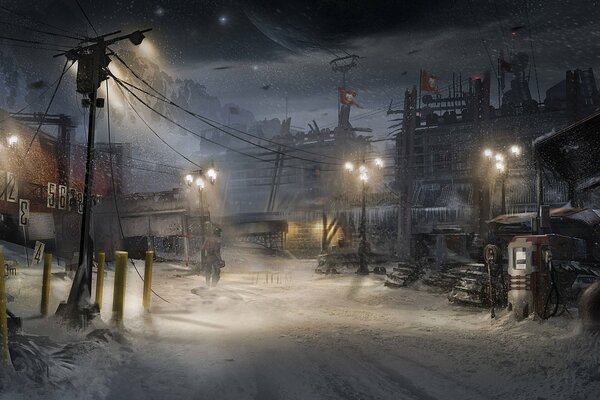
154 132
205 119
199 136
212 124
365 114
30 47
137 159
30 18
86 17
64 71
112 179
39 97
28 28
171 147
537 83
32 41
150 162
160 138
202 137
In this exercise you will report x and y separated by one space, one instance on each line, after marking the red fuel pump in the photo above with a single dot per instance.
532 270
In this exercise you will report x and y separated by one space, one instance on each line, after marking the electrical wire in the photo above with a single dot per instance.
31 47
32 41
537 83
211 122
121 85
28 28
33 20
38 98
37 131
114 191
86 17
154 132
218 128
162 97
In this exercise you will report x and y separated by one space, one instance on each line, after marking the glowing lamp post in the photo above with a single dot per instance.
349 167
501 162
12 140
212 175
363 247
198 179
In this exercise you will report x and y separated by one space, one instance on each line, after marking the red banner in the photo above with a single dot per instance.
347 97
429 82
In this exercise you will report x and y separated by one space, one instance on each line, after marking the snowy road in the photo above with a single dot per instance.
342 337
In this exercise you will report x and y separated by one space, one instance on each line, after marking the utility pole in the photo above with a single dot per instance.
92 62
405 174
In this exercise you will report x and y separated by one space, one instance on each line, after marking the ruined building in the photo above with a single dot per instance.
448 184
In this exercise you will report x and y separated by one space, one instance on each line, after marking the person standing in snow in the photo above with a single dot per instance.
211 254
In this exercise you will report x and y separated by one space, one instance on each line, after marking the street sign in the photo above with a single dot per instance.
38 253
80 202
23 212
62 197
51 203
11 187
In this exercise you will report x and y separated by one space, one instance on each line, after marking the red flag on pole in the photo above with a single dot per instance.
347 97
429 82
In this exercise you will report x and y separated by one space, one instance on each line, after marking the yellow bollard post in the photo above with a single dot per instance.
100 279
148 280
46 284
3 315
119 290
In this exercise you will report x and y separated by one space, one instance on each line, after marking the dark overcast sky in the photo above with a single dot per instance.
287 44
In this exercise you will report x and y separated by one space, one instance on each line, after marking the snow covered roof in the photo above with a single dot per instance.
587 215
573 152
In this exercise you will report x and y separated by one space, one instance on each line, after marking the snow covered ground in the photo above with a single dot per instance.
298 335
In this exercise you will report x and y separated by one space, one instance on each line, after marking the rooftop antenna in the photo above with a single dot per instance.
344 65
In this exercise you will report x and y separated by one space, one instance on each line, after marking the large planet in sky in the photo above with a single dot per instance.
328 24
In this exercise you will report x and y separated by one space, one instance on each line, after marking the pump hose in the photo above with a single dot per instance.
553 288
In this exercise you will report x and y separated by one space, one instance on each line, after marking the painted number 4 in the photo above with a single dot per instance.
38 253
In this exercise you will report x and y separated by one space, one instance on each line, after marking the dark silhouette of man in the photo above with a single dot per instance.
211 254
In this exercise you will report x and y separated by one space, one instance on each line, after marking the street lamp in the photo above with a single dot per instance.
363 247
12 141
502 166
197 178
515 150
212 175
349 167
